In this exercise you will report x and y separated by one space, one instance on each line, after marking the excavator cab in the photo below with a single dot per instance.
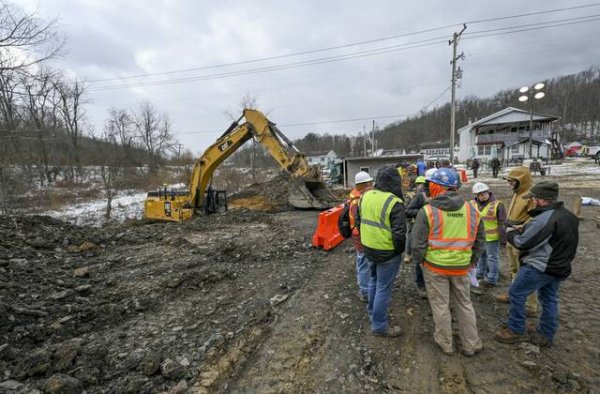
307 189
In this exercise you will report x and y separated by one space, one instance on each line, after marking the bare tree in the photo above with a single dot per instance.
120 125
154 130
111 170
41 108
70 108
26 39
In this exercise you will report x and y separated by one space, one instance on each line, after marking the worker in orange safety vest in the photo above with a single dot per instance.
448 237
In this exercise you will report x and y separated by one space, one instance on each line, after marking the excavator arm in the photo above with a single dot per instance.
307 189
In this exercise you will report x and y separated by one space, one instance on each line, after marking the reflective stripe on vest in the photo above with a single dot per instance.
375 228
490 220
451 236
354 197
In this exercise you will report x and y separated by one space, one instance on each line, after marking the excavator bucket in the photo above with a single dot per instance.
310 195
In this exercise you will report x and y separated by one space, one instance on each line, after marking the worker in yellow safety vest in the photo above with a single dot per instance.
448 237
383 236
493 215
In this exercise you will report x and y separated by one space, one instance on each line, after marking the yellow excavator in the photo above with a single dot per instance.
307 190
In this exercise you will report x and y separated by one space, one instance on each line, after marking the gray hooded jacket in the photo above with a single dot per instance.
450 201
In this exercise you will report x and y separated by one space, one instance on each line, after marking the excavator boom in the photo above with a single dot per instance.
307 189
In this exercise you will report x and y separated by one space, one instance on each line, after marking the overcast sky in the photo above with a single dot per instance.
192 44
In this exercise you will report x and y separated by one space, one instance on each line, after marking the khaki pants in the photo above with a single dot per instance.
440 289
514 264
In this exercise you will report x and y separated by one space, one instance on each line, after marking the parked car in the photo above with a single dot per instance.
591 151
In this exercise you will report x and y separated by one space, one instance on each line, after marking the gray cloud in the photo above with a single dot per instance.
113 39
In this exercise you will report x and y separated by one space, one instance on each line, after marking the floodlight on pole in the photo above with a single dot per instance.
531 94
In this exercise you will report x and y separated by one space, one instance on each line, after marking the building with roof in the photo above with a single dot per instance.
372 164
505 134
436 150
322 158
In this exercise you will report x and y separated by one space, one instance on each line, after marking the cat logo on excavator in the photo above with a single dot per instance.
225 145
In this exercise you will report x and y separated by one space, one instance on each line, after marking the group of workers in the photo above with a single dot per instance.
450 239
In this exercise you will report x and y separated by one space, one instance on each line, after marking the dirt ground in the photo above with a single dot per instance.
240 302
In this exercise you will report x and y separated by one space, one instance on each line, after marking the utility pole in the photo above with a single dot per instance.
455 76
373 140
364 141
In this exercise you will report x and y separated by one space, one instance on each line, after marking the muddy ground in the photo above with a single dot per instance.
241 302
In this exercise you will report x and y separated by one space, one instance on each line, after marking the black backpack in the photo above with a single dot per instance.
344 226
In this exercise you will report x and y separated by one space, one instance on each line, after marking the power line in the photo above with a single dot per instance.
381 39
336 120
533 24
365 53
370 52
531 29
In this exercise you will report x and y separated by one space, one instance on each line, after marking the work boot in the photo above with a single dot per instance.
507 336
503 298
539 340
407 259
422 292
471 353
390 332
477 290
447 351
484 284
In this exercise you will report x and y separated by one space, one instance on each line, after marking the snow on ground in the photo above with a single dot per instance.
129 205
579 167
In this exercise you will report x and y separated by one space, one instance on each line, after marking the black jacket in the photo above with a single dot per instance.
417 202
549 240
388 180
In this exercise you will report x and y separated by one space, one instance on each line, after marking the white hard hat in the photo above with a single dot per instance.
429 173
362 177
480 187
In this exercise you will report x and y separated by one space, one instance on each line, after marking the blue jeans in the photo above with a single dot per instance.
419 280
380 291
408 246
527 281
488 265
362 273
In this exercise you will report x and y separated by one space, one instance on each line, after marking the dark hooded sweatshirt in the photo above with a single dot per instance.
549 240
388 180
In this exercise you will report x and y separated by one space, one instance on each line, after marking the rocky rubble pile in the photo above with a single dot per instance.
143 308
275 191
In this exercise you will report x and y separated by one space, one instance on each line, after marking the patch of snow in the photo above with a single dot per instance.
579 167
129 205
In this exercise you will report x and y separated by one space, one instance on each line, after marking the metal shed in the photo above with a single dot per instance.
353 165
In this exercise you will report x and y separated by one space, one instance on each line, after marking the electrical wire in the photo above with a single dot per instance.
338 120
381 39
365 53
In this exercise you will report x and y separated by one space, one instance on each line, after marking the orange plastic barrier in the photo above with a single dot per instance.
327 234
463 176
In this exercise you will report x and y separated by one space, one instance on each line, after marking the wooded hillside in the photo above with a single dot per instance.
574 98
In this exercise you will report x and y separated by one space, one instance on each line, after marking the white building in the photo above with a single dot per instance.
436 150
323 158
505 134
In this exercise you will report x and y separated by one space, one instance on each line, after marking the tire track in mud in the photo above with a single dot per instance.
304 350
